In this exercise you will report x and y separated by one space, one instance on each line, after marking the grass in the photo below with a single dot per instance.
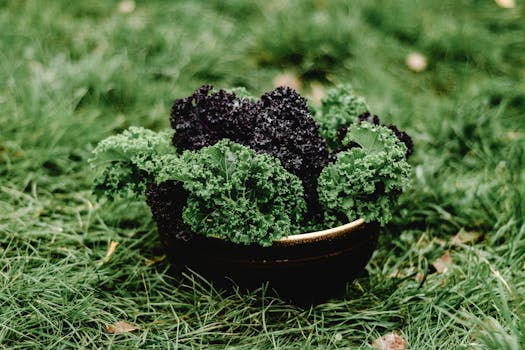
74 73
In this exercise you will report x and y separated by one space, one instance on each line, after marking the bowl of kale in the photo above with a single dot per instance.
246 190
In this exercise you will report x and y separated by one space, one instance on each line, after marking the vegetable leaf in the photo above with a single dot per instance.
240 195
365 182
339 110
127 162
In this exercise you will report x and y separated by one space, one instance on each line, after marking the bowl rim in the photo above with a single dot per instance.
327 234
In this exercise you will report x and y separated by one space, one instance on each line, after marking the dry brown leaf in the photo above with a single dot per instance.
396 274
155 259
422 240
18 154
465 237
439 241
416 62
443 263
126 6
121 327
506 4
390 341
420 277
317 93
287 79
111 249
514 135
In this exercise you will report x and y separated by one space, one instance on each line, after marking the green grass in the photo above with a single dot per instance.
72 73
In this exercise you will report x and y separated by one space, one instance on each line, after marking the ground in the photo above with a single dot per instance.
449 271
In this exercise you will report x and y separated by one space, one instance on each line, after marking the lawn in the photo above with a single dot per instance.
73 73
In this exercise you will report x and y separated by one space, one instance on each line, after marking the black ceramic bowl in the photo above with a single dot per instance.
306 268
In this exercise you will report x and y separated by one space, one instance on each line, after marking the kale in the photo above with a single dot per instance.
279 124
286 130
166 201
254 170
237 194
241 92
365 181
127 162
369 118
405 138
120 179
205 118
339 110
401 135
226 190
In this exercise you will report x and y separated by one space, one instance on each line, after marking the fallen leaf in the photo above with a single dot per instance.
416 62
287 79
111 249
465 237
506 4
155 259
420 277
439 241
404 272
390 341
422 240
126 6
121 327
18 154
443 263
396 274
358 286
513 135
317 93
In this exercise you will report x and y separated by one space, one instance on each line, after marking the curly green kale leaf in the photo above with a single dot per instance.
119 179
241 93
339 110
129 161
365 181
237 194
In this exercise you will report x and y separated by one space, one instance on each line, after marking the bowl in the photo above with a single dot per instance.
302 268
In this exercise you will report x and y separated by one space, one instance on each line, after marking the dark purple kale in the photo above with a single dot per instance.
279 124
166 201
206 117
341 133
285 129
369 118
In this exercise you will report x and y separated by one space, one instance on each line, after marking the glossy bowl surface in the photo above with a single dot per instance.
308 267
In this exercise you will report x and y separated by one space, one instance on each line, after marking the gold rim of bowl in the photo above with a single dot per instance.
328 234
